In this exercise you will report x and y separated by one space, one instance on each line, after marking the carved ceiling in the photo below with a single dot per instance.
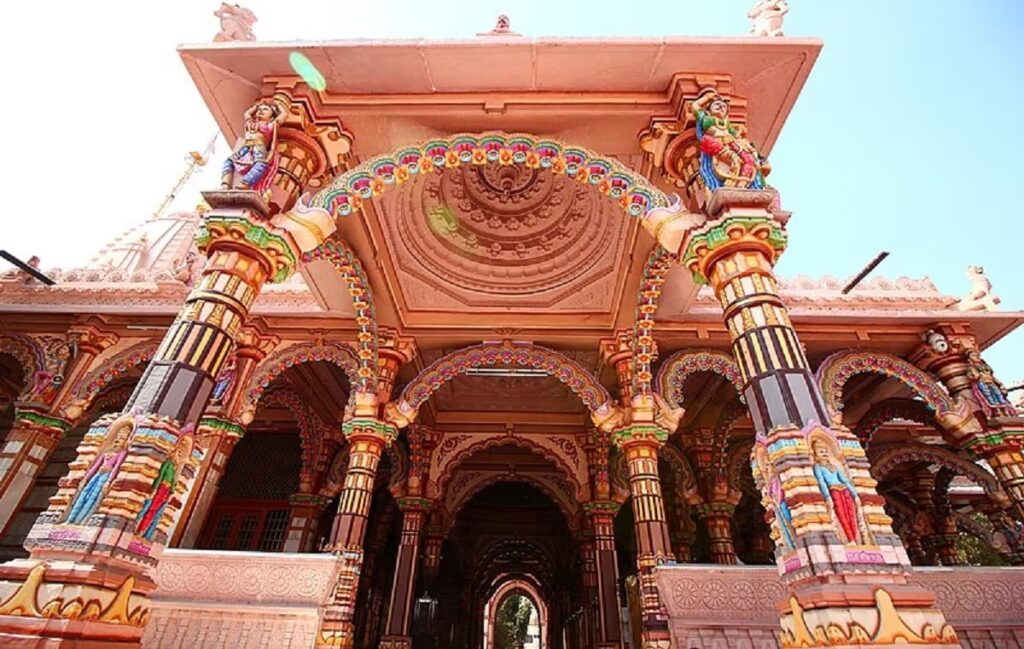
493 236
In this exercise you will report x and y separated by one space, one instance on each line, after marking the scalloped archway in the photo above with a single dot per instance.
508 589
525 355
338 353
888 458
111 370
29 354
892 409
837 369
679 366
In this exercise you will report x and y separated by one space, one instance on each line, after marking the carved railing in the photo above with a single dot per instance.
714 607
243 600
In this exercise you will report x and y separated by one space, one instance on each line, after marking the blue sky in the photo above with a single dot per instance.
905 138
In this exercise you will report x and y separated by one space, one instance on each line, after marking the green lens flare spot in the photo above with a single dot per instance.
305 69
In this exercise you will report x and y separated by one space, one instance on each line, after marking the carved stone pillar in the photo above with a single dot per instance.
108 524
990 426
39 426
600 555
717 519
815 482
682 546
304 511
433 543
218 437
367 437
397 632
640 443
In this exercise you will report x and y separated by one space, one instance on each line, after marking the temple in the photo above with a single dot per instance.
484 333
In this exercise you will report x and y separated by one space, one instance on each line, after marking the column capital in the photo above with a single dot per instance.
361 427
238 220
640 435
213 426
33 417
601 507
91 336
414 504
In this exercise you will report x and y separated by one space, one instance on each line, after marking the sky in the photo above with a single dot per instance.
906 138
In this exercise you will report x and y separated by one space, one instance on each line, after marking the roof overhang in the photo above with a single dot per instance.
597 93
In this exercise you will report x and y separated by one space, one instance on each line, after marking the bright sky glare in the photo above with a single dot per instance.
903 139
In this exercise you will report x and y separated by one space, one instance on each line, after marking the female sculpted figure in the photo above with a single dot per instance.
777 495
253 163
225 381
162 489
987 389
103 470
837 489
723 143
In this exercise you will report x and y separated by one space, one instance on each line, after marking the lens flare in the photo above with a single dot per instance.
305 69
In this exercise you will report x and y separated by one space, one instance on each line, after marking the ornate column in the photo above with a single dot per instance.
600 557
367 437
304 511
87 579
845 569
43 418
396 634
988 425
718 497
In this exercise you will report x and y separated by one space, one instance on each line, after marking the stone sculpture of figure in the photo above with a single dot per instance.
987 389
767 17
46 383
837 489
980 296
253 162
235 23
162 489
225 380
777 496
103 470
503 24
727 157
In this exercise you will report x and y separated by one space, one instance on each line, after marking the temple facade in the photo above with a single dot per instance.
469 320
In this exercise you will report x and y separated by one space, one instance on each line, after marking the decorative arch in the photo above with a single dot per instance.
29 354
837 369
685 477
679 366
455 501
447 470
889 457
311 431
888 410
738 471
347 264
526 355
340 354
645 349
346 193
117 366
506 590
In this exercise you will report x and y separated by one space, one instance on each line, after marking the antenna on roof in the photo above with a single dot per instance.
864 273
32 267
195 160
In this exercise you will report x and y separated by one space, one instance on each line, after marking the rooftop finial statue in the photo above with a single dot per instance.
235 23
980 296
767 17
253 162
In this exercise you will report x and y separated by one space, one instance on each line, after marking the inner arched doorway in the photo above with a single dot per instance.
515 617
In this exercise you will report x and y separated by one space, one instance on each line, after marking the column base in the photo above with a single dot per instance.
395 642
854 615
335 633
56 603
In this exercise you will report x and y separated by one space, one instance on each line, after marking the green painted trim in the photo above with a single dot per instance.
222 425
44 421
715 237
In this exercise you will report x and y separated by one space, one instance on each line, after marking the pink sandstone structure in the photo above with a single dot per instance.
489 318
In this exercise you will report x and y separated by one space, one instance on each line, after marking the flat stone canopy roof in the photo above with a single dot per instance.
547 86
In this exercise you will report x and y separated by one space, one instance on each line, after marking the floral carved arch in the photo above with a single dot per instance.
837 369
454 502
683 473
679 366
29 354
439 482
525 355
889 457
635 194
645 350
337 353
348 266
314 435
117 366
892 409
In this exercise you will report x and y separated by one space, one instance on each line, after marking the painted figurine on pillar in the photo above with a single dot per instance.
222 388
254 161
103 470
836 487
776 494
987 389
727 157
163 488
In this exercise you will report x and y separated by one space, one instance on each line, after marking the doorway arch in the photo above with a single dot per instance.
511 588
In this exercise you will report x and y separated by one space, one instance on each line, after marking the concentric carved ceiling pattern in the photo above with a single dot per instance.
494 235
